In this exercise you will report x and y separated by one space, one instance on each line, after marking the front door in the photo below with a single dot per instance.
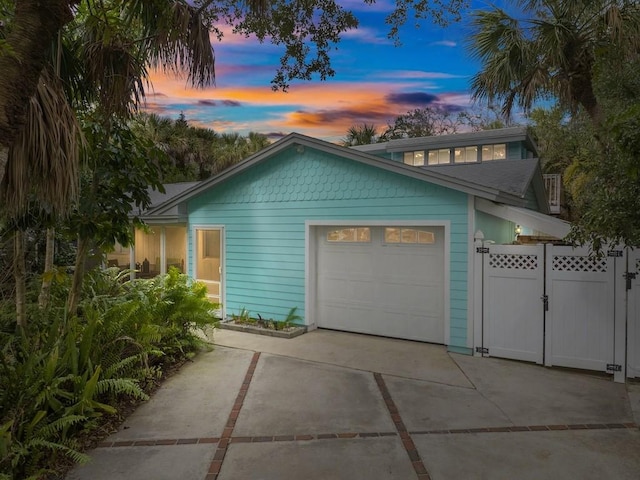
208 261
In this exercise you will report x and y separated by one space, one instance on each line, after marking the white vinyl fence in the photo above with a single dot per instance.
559 306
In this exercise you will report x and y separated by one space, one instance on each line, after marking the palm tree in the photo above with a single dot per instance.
41 168
360 135
551 53
114 43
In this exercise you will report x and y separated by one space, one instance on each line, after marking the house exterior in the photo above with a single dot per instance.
376 239
163 244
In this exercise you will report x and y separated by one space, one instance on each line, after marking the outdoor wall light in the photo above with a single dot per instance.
518 229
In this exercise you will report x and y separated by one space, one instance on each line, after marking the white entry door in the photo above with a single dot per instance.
208 261
382 280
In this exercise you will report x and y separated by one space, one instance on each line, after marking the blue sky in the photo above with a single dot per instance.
375 81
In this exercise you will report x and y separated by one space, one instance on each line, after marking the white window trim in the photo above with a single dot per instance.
223 259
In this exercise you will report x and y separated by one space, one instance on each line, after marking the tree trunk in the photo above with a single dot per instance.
20 277
4 159
78 276
33 29
43 298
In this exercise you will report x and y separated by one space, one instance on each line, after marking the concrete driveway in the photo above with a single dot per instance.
331 405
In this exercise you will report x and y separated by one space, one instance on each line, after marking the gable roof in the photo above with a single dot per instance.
170 191
472 184
159 199
511 176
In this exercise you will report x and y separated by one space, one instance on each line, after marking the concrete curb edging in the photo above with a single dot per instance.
295 332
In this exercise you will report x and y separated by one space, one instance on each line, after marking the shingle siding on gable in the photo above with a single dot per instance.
264 209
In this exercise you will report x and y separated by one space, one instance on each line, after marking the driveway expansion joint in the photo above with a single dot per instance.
405 436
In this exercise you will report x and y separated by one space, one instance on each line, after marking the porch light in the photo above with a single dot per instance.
518 230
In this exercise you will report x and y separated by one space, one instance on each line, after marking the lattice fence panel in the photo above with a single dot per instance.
579 263
513 261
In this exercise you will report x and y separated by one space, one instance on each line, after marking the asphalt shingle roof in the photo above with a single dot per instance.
171 190
509 176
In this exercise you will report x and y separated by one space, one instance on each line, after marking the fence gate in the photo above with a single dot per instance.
581 316
632 286
512 312
559 306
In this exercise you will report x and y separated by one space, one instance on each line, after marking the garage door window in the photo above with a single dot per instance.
350 235
409 236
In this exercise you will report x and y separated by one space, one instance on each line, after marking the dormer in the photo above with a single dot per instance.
471 147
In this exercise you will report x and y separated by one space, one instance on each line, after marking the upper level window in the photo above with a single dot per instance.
350 235
437 157
414 158
494 152
409 235
465 154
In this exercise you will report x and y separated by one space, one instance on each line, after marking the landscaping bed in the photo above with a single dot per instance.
243 322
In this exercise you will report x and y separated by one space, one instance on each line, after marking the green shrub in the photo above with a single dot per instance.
61 374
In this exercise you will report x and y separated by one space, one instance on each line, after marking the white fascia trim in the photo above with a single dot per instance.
380 223
180 220
471 229
529 218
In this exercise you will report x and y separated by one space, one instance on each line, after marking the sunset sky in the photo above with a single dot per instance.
375 81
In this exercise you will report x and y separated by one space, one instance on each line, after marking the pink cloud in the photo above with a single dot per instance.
368 36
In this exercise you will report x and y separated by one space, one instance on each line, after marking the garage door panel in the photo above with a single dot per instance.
401 298
391 290
356 262
357 291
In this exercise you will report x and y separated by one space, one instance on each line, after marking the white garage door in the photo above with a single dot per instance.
382 280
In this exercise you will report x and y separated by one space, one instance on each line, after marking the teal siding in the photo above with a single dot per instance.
516 151
264 209
497 229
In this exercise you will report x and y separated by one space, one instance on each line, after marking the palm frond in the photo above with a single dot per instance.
115 67
176 37
44 160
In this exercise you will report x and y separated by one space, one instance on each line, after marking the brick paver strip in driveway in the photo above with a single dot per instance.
176 410
285 418
407 441
223 444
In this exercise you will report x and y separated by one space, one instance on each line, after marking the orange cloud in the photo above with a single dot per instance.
324 110
318 95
